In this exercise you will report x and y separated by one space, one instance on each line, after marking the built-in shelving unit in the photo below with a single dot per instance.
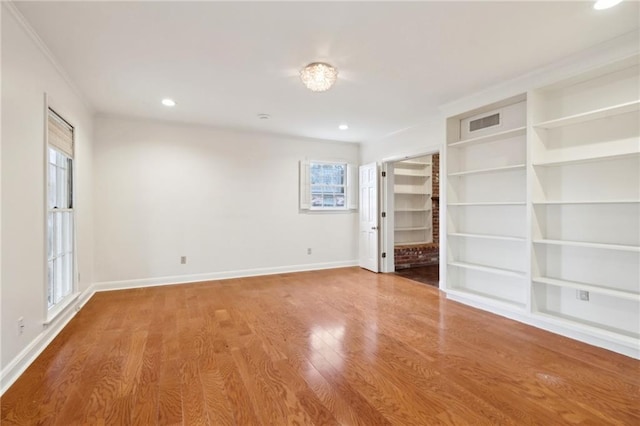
412 203
543 206
585 156
486 193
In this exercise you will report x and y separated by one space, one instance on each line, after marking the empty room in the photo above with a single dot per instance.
320 213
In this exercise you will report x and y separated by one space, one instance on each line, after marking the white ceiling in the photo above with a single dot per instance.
226 62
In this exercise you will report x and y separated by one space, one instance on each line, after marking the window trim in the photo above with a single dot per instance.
304 187
51 313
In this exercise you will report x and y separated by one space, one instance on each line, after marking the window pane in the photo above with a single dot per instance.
57 234
50 295
340 200
57 274
49 235
316 200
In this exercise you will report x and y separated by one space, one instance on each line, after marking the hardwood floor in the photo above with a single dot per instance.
343 346
429 274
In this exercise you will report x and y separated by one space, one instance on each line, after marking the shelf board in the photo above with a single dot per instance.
591 115
410 193
412 243
621 294
415 228
490 203
490 269
397 172
486 236
590 327
520 131
583 160
586 202
489 170
484 298
618 247
411 210
414 162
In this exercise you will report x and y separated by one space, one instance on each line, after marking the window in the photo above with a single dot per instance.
60 215
327 185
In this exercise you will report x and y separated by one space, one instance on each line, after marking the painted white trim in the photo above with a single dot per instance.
25 358
212 276
605 341
22 21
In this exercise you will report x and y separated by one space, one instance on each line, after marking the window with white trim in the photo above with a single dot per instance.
60 213
327 185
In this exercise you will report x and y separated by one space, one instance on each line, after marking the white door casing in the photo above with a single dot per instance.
368 213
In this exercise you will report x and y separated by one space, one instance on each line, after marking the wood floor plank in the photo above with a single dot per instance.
341 346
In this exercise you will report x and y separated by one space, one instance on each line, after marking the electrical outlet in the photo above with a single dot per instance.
20 325
309 250
582 295
183 260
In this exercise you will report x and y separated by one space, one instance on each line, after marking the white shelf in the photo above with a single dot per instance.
490 203
489 170
411 210
410 193
410 174
605 157
415 162
591 115
412 243
486 236
618 247
588 327
588 287
415 228
484 298
490 269
520 131
586 202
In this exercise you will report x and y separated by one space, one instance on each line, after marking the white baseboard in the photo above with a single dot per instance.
19 364
243 273
603 339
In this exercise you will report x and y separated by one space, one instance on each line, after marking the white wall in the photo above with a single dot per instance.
27 74
424 138
227 200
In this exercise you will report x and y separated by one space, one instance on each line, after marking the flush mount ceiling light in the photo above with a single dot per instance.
605 4
343 127
168 102
318 76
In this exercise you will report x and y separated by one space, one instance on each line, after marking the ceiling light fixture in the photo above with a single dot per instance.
168 102
318 76
605 4
343 127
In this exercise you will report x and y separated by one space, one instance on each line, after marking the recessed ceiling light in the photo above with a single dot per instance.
168 102
605 4
343 127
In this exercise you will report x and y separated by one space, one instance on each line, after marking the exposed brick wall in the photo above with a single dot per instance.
435 196
408 256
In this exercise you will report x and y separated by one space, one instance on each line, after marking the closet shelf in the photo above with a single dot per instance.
411 210
410 174
591 115
602 246
410 193
621 294
542 203
486 236
605 157
489 170
490 203
490 269
414 228
520 131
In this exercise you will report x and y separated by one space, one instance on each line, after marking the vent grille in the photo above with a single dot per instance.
484 122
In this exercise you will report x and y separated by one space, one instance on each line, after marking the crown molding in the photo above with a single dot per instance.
22 21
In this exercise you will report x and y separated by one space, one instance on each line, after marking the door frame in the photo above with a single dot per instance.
387 240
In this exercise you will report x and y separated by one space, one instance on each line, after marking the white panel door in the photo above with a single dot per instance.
369 217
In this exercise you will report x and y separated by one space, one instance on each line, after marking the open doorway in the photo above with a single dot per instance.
413 202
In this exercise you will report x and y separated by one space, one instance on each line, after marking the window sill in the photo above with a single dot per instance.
60 307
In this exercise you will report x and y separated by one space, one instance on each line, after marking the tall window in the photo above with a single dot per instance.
60 215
